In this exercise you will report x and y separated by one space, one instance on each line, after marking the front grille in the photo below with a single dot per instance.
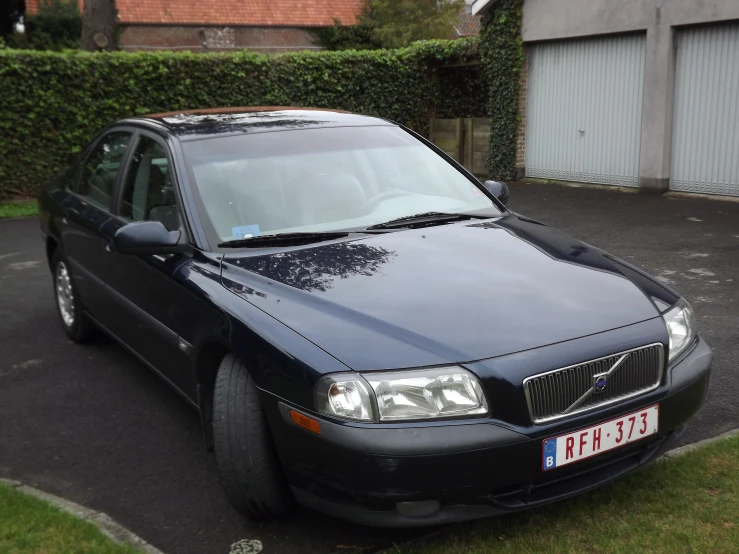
575 389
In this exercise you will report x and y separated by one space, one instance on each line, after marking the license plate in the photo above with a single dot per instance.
586 443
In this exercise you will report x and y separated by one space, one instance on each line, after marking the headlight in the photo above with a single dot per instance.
427 394
680 322
401 395
345 395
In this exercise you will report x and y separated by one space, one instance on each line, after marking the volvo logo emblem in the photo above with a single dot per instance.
599 384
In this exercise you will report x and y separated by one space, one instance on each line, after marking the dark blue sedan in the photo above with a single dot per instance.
363 326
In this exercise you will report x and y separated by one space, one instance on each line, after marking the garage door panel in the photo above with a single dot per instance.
705 144
584 110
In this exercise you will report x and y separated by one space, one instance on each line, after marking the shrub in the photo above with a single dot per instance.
346 37
54 103
392 24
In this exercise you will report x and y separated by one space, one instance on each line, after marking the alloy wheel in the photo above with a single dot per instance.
64 294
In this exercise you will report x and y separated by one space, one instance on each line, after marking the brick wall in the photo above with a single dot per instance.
521 137
212 39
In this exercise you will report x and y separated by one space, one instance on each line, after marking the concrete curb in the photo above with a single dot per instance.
699 196
674 453
672 194
576 185
107 525
677 452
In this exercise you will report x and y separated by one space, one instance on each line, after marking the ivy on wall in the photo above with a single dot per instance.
462 92
501 52
54 103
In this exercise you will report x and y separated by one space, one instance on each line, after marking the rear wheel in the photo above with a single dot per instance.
74 320
247 462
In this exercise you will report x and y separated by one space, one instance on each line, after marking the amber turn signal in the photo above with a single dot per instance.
305 422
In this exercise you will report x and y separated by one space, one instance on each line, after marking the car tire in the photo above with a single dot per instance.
74 320
248 464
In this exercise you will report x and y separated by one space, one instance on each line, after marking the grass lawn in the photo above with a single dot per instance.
31 526
18 209
687 504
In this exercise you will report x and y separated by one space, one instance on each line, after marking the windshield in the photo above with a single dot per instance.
318 180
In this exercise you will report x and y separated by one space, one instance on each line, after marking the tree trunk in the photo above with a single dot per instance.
98 25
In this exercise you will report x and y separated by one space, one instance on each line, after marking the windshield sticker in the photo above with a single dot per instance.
245 232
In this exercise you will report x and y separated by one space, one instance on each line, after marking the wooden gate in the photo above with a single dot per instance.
466 140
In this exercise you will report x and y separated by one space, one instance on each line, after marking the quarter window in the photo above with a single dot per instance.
98 173
148 194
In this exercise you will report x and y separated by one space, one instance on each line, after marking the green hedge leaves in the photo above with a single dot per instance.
54 103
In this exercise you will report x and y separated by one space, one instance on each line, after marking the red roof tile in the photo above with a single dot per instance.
261 13
467 24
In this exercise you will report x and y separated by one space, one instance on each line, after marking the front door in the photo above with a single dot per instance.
159 310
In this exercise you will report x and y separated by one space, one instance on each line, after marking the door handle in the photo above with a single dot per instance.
108 248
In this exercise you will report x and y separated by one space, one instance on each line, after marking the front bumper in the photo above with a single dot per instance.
465 469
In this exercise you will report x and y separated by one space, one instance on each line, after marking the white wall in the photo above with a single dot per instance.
554 19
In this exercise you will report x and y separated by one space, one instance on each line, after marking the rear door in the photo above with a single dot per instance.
159 314
87 207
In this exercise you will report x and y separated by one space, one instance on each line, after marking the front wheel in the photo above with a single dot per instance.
247 462
74 320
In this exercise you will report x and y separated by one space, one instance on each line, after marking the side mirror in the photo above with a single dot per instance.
498 189
147 237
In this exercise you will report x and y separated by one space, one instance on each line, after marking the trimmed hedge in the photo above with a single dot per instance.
501 51
54 103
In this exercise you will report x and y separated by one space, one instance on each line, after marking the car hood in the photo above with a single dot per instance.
445 294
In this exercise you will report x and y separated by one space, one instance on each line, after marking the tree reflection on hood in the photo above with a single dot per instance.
316 269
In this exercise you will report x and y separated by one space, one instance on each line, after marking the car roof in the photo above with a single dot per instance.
207 123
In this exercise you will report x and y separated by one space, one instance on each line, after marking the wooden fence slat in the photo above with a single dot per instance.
465 140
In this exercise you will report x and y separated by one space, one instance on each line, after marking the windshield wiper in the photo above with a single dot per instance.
428 217
282 239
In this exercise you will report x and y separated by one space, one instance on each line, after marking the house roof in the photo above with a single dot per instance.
258 13
467 25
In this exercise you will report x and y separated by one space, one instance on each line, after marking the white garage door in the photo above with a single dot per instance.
584 110
705 139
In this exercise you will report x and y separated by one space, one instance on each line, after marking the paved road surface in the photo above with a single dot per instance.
91 424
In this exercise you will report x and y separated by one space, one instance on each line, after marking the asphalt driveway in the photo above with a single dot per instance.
91 424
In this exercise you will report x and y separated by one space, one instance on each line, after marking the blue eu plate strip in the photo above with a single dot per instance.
550 455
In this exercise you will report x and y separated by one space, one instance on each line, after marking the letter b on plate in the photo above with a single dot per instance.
549 460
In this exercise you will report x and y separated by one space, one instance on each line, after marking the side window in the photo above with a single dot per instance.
148 193
95 178
71 178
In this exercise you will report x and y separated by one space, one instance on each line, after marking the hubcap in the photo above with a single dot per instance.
64 294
